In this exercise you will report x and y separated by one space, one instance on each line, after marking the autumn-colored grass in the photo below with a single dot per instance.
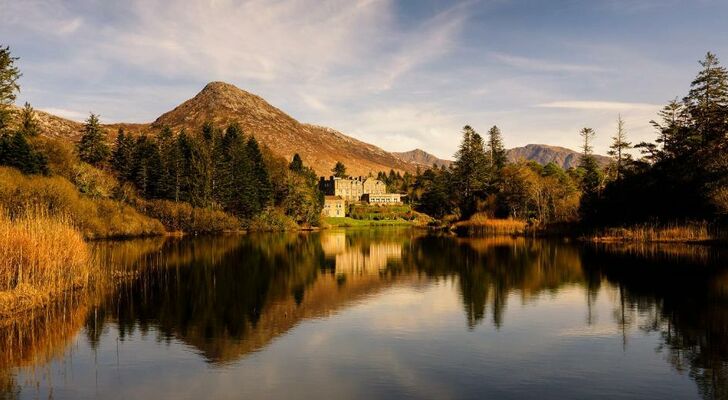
481 224
42 258
687 232
95 217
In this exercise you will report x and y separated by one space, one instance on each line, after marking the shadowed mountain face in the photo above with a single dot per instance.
544 154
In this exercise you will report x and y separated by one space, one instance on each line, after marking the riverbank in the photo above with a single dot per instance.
348 222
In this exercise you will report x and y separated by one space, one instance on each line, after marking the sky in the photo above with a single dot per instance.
398 74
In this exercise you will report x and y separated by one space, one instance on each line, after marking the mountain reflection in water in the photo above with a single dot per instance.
508 317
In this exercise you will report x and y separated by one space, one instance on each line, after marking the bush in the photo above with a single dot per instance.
272 219
183 217
56 196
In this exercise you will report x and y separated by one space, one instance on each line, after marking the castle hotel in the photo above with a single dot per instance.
342 191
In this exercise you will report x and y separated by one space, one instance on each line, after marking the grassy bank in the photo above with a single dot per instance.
347 222
42 259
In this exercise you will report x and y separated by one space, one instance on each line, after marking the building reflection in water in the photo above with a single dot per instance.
230 296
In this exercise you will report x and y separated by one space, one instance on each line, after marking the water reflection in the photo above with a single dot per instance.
229 297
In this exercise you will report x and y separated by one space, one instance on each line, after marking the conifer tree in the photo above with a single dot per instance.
260 174
28 125
618 149
496 150
9 75
121 157
591 179
339 170
470 171
296 164
707 101
147 167
93 148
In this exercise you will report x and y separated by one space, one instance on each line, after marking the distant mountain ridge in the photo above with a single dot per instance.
540 153
422 158
544 154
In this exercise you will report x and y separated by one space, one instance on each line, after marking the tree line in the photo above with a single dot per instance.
683 175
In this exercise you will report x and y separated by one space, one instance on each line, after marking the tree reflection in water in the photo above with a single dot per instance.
228 296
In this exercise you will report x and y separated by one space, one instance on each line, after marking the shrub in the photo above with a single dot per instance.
272 219
183 217
56 196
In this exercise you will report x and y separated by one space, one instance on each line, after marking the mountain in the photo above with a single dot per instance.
320 147
544 154
422 158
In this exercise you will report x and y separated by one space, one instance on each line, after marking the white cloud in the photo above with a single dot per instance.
68 114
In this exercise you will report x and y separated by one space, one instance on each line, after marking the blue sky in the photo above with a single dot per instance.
398 74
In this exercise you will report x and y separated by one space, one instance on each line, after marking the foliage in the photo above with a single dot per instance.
271 219
182 217
683 174
92 147
9 75
56 196
339 170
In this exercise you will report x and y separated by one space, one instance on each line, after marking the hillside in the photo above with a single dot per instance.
422 158
319 147
544 154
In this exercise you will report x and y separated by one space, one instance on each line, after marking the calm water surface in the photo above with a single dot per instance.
385 313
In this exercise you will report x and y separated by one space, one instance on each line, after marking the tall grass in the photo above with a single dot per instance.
95 217
686 232
481 224
42 258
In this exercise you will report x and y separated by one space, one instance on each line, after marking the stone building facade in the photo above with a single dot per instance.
351 189
334 206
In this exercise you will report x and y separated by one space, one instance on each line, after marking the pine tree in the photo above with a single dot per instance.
497 155
260 174
339 170
707 101
296 164
618 149
93 148
28 124
9 75
15 151
147 167
591 179
121 157
471 171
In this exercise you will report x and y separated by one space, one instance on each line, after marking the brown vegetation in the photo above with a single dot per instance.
481 224
182 217
56 196
688 232
41 258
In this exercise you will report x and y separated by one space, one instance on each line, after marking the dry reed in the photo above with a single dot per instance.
42 258
483 225
688 232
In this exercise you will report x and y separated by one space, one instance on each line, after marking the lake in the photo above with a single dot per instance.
381 313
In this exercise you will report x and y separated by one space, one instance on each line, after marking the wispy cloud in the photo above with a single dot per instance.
600 105
535 64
